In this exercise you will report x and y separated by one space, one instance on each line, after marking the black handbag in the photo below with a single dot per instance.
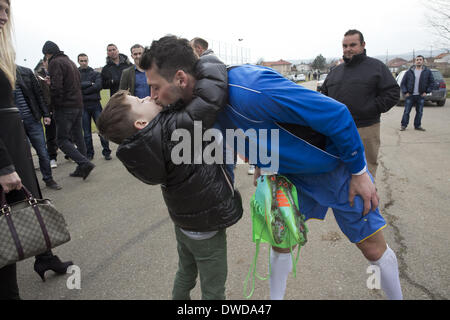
29 227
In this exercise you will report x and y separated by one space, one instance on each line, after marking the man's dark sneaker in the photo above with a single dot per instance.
76 173
52 185
420 129
108 157
86 169
402 128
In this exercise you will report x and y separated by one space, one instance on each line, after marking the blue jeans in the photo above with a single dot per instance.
93 111
35 133
418 101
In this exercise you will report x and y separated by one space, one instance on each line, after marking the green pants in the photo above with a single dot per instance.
205 257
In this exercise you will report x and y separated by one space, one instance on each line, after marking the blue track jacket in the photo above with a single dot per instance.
259 97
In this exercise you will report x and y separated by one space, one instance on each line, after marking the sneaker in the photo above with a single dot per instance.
53 164
419 129
108 157
251 170
402 128
52 185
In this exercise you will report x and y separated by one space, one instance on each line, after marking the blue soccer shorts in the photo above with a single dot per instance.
318 192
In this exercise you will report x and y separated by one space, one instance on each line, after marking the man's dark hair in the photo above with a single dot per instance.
137 45
169 54
352 32
420 56
116 122
111 45
81 55
200 42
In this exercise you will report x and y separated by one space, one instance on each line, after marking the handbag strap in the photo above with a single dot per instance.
6 209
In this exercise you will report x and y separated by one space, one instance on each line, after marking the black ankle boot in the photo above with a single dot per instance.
42 264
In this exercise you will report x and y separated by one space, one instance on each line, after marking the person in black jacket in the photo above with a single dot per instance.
366 86
91 85
116 63
67 101
416 83
30 101
50 129
201 199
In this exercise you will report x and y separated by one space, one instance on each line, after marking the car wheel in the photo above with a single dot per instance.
440 103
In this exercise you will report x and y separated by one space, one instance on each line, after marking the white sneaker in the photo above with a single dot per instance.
251 170
53 164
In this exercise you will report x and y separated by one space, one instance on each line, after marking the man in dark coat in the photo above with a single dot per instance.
30 102
417 82
91 85
67 101
368 89
50 129
116 62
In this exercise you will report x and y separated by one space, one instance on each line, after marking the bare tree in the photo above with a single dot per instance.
438 18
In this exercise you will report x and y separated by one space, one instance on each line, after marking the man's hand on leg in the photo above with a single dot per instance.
363 186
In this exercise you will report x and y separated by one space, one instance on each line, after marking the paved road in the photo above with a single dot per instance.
123 239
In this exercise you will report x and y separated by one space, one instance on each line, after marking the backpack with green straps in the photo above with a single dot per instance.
276 220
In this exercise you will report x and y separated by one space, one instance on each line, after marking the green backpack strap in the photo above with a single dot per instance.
253 273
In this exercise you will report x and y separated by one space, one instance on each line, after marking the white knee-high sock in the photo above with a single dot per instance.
281 264
390 281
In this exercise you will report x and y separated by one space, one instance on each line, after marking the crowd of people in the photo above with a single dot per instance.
328 145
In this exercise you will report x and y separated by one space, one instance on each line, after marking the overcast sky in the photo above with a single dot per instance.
272 30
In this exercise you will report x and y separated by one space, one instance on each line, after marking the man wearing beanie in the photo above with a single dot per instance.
67 101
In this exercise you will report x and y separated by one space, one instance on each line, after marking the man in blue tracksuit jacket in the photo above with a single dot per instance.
320 151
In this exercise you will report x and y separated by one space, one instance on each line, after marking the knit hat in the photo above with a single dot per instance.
50 48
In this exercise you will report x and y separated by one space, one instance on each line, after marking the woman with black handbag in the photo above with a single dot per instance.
16 165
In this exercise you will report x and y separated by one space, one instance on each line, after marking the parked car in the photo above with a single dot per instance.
301 77
322 78
439 93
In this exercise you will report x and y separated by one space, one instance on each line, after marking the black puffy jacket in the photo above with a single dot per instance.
199 197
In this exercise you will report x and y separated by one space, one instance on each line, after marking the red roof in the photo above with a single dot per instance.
397 62
280 62
442 55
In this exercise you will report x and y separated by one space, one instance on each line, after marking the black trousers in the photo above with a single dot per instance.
68 127
50 136
9 289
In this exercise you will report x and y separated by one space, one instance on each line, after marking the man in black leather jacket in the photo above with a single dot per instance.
30 101
200 197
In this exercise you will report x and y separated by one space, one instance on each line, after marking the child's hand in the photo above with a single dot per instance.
256 175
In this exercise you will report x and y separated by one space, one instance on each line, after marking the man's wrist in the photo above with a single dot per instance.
364 170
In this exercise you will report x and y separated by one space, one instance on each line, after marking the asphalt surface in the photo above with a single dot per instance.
123 239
